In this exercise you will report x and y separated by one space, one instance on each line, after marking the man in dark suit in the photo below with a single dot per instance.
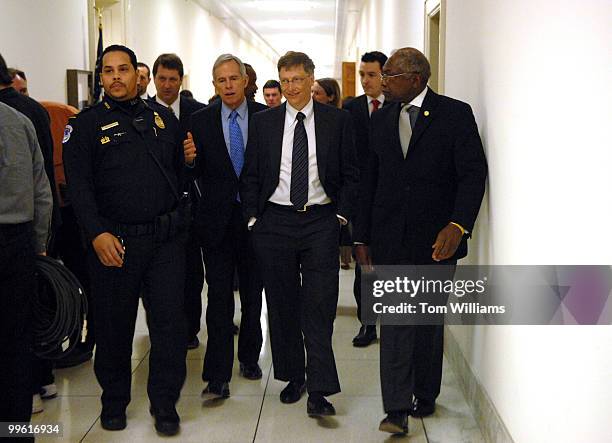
40 119
361 108
421 193
220 133
168 78
298 187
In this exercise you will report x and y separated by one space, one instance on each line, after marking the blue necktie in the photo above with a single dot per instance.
236 144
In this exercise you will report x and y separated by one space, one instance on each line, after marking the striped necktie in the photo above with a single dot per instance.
298 193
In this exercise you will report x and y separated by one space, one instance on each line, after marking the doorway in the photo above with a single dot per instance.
435 23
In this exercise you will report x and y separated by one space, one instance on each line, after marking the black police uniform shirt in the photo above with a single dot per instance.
111 175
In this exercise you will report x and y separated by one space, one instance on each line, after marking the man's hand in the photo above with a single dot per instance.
446 243
189 149
109 249
362 255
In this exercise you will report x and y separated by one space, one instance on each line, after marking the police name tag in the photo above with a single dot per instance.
110 125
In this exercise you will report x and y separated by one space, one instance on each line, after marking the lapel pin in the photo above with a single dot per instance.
426 113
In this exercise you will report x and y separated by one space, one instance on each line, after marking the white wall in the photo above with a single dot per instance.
185 28
538 76
44 38
385 25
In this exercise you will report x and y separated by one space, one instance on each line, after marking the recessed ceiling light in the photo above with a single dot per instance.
282 5
290 24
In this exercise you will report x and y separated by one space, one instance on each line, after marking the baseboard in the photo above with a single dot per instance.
486 416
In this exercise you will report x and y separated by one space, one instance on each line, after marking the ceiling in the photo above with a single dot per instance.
277 26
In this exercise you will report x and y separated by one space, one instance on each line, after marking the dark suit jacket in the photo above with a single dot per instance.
187 107
215 173
406 202
358 108
335 158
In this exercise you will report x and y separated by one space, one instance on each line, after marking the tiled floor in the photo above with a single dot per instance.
254 413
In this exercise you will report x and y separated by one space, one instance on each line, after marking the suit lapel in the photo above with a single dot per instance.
430 103
363 109
323 132
275 133
394 111
218 133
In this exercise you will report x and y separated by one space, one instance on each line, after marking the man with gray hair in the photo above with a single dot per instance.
25 217
215 149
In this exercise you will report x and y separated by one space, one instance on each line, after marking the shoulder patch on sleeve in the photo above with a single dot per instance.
67 132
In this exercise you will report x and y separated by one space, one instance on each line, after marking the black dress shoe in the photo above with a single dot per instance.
422 408
395 423
366 335
293 391
193 343
166 420
113 422
318 406
215 390
250 371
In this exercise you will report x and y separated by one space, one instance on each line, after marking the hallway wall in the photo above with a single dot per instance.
44 38
538 74
385 25
196 36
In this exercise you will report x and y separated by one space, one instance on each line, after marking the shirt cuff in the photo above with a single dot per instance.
461 228
357 243
343 221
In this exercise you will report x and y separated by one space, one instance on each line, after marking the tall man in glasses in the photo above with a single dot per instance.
298 187
421 192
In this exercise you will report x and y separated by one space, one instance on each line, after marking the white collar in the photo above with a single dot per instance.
418 100
306 110
176 105
380 98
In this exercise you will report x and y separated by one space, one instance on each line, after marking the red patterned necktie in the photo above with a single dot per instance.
375 105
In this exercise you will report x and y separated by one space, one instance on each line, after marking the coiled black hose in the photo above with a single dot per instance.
59 310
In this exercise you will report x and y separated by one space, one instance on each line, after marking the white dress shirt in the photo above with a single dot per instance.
316 193
176 105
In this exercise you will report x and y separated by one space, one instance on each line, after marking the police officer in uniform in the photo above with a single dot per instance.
124 167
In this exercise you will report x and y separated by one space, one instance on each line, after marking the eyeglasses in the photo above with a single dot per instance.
388 76
298 81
